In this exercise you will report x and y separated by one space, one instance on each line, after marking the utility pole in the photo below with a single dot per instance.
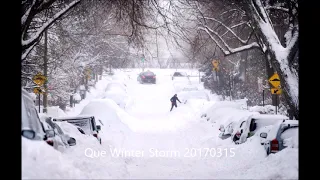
45 72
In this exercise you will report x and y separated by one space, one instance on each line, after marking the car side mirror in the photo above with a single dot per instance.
98 127
30 134
263 135
72 141
50 133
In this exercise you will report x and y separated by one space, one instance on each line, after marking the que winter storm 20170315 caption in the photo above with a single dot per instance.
153 152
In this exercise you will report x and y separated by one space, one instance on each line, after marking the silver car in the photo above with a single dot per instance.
31 127
280 136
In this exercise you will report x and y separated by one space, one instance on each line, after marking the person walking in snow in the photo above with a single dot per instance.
174 101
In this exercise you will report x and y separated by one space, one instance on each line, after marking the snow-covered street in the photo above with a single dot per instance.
160 89
145 140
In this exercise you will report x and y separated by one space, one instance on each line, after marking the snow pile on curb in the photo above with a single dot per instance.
268 109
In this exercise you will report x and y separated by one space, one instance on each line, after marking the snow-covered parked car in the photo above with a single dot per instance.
281 135
119 97
64 138
116 86
184 96
31 126
247 127
87 124
179 75
117 92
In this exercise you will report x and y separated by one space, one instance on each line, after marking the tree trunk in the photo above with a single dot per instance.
288 76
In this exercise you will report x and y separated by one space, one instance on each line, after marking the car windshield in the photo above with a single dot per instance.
289 132
83 123
30 118
57 127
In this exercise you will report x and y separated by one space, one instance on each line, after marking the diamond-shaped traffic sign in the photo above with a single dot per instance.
276 91
39 79
275 80
38 90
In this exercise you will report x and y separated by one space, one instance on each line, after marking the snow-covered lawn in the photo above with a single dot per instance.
158 143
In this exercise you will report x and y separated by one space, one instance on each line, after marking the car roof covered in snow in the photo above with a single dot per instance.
269 116
72 117
293 122
273 132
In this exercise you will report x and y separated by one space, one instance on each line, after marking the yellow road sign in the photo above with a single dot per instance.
275 80
215 63
38 90
276 91
39 79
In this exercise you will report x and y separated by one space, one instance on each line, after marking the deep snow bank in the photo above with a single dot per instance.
250 160
41 161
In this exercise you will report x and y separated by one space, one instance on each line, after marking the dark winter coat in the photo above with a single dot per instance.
174 100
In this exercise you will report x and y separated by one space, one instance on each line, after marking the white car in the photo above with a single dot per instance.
119 97
247 127
184 96
116 86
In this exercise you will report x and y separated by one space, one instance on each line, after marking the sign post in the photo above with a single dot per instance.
39 91
215 64
274 80
39 79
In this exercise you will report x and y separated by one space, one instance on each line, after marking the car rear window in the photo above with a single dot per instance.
83 123
291 132
177 74
148 74
290 137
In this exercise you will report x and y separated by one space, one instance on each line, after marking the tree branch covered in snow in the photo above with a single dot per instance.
36 7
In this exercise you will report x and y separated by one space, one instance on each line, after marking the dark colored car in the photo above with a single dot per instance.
87 124
147 77
179 74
